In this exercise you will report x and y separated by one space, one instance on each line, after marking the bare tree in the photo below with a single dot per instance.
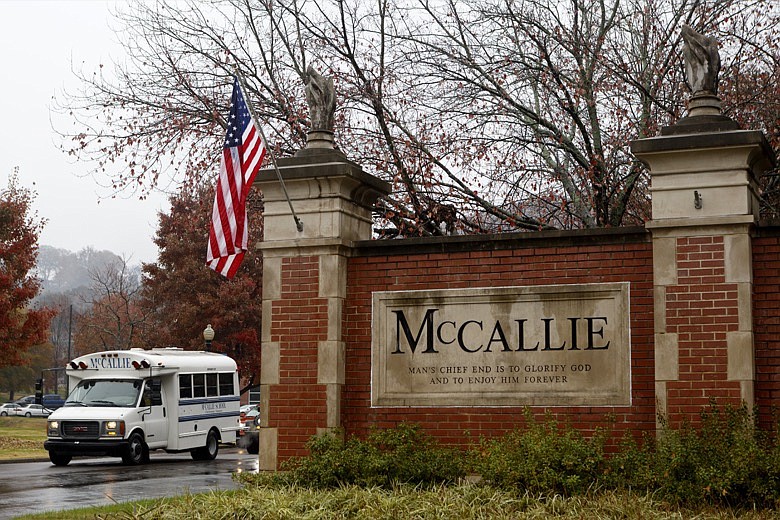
115 319
487 115
60 327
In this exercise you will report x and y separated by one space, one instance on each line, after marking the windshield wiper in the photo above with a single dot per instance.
75 403
109 403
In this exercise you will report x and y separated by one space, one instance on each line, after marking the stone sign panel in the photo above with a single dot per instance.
561 345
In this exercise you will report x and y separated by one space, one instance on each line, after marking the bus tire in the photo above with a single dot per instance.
137 452
59 459
210 450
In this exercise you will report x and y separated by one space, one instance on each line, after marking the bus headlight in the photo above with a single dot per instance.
114 428
53 429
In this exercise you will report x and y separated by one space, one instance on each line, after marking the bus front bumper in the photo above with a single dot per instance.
111 448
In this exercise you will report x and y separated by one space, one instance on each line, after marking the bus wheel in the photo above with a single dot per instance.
136 451
210 450
59 459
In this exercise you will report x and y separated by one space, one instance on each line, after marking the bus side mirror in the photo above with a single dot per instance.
156 387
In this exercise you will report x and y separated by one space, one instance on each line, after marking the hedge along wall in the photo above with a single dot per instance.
544 258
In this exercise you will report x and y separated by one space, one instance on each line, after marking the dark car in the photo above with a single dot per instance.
249 437
52 401
24 401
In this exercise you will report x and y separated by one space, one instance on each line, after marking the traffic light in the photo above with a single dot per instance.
38 390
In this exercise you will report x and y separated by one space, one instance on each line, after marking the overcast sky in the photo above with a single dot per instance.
38 41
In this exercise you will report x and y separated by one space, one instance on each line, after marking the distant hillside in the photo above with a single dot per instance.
64 272
67 288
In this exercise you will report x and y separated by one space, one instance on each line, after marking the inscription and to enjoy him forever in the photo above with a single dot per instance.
510 346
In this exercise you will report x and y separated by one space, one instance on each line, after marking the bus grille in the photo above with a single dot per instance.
81 429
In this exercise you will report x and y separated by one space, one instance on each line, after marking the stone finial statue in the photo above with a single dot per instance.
702 66
702 62
321 97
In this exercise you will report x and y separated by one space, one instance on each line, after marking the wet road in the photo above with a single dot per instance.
35 487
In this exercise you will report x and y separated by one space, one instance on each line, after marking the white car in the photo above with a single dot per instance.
33 410
9 409
246 407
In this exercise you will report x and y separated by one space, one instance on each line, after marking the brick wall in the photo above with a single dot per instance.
299 322
505 260
766 316
701 308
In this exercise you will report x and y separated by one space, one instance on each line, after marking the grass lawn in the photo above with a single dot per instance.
22 438
441 503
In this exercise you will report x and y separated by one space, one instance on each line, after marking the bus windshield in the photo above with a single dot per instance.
105 392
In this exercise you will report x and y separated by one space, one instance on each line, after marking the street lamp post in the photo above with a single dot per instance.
208 336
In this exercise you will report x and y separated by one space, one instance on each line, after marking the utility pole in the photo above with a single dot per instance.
70 328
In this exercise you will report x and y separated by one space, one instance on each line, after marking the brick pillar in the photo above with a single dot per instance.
704 202
304 286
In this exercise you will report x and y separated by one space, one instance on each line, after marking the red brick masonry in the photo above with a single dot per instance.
700 309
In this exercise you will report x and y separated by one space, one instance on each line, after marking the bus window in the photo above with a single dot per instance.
185 386
198 385
212 390
226 384
147 398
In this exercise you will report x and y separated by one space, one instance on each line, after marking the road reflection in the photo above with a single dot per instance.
39 486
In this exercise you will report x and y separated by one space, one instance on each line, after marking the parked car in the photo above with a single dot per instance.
28 399
9 408
33 410
248 437
247 413
52 401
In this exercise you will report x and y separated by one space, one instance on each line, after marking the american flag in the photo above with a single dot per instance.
242 155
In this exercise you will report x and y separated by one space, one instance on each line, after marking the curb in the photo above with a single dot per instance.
20 461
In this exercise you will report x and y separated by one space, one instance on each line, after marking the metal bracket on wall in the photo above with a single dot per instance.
697 200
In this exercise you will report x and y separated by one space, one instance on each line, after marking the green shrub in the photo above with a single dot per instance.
723 461
408 455
387 457
543 458
631 467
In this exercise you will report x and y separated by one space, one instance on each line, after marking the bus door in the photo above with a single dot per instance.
154 414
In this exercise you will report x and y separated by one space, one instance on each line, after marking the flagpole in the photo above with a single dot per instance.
298 223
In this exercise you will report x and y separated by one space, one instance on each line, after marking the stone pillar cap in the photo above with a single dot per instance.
703 139
705 115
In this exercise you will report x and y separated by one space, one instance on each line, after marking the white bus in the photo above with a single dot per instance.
124 403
